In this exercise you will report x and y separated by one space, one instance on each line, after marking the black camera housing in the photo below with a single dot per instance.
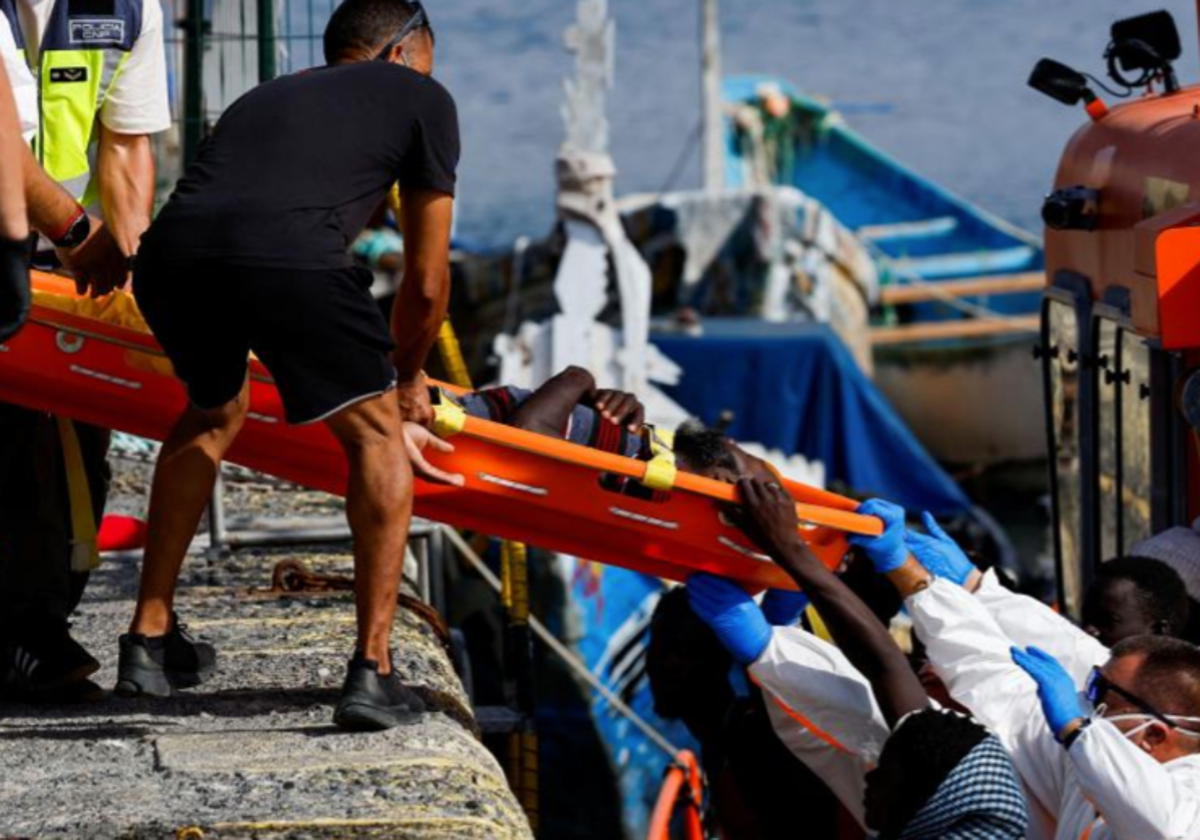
1072 208
1157 31
1058 81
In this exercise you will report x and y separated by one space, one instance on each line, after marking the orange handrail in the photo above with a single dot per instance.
685 770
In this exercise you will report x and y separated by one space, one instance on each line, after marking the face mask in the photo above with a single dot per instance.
1137 730
1149 719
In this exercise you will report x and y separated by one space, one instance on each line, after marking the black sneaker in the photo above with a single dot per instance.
42 664
370 702
153 666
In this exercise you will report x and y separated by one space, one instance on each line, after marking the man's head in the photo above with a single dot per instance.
395 31
707 452
1151 691
942 773
1179 548
1135 596
686 664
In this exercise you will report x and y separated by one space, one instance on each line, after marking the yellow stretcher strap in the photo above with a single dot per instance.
449 418
820 630
452 357
660 469
85 553
393 200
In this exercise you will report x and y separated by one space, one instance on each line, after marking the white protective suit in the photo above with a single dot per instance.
823 710
1103 788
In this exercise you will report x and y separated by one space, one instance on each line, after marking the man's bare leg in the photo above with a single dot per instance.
183 481
379 501
156 657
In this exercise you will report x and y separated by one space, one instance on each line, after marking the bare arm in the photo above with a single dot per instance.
420 307
771 522
96 262
51 208
13 223
14 226
549 409
125 168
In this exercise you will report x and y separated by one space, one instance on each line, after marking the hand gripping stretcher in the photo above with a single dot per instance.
95 361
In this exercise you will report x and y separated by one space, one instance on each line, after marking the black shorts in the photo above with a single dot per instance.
320 333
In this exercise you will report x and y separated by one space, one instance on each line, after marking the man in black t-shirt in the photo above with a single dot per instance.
250 254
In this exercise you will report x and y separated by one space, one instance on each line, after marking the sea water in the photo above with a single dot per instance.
939 84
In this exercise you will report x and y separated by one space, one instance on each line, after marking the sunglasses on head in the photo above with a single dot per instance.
1098 687
418 20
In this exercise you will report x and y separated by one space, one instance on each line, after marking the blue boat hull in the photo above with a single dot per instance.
919 233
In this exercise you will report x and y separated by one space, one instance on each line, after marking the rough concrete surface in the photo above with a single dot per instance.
253 752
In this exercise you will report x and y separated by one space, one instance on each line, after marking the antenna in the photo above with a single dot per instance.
714 127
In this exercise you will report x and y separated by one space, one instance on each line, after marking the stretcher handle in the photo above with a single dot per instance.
815 506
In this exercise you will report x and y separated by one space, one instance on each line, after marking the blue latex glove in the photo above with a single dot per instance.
732 614
887 551
938 553
1055 688
782 607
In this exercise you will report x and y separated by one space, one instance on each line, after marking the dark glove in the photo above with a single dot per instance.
14 286
732 614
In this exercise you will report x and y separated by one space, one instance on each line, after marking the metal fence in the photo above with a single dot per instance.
219 49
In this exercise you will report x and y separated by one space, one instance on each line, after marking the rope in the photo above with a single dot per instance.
689 145
572 661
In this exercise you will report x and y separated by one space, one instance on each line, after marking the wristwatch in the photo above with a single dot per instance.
75 232
1072 731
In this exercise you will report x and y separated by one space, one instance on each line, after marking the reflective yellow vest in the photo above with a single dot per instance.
84 47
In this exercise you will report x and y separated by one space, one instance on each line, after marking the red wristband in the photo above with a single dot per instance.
55 236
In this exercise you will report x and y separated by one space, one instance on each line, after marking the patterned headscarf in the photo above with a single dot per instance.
981 799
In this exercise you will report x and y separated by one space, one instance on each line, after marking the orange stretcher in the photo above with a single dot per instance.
95 361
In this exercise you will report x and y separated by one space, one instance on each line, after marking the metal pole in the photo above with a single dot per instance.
216 518
266 40
194 29
424 589
523 743
437 569
714 128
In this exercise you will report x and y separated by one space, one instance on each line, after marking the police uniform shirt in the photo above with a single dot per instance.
137 101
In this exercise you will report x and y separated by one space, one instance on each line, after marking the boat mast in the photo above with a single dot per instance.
714 130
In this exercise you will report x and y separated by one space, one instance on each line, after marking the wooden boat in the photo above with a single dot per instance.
960 290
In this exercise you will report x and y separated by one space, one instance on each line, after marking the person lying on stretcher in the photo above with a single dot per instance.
570 407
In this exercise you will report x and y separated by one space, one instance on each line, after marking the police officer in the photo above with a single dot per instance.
101 90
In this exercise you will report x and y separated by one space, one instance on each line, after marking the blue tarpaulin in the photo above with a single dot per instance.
795 387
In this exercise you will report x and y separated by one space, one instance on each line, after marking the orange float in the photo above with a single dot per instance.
682 783
96 362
